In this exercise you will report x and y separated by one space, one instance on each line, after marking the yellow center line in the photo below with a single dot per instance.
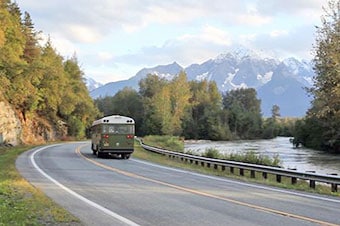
265 209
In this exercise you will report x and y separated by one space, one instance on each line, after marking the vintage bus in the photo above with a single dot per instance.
113 135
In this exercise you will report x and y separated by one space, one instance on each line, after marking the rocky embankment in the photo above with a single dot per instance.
15 128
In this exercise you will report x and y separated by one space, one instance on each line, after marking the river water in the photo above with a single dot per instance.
301 159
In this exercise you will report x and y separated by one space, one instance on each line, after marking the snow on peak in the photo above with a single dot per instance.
265 78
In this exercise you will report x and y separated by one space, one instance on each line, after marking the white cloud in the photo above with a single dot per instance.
277 33
215 35
105 56
254 20
83 34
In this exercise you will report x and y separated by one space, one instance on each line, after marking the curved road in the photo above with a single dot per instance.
134 192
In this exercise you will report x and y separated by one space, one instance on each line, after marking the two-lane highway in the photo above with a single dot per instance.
134 192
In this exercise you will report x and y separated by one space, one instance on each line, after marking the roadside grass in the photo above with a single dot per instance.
23 204
171 143
271 180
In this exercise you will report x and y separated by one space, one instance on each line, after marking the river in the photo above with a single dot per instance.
301 159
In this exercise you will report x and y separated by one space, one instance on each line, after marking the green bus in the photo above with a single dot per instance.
113 135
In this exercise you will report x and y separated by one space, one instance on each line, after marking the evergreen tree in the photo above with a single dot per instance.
32 49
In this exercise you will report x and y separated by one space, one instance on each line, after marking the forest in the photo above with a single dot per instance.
36 81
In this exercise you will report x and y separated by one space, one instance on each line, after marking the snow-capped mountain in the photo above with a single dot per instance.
277 82
91 84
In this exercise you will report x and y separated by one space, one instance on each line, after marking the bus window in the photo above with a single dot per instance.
118 129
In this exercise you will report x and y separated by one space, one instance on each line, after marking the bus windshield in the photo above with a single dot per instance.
118 129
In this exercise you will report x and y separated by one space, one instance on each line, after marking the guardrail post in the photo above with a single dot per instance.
278 178
215 166
208 164
265 175
202 164
311 182
241 172
294 180
223 168
252 174
334 188
232 170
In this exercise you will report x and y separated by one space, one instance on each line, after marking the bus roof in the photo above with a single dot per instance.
114 119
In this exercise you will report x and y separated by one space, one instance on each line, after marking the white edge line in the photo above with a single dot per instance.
240 183
82 198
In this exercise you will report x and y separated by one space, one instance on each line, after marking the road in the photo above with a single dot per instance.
135 192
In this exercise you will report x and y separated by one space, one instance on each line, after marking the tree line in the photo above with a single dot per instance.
36 80
194 110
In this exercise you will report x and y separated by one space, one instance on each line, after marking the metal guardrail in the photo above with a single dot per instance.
333 180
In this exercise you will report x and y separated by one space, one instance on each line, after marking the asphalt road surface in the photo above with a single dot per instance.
135 192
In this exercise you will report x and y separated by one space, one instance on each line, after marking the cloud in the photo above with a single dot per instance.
294 43
186 49
307 10
103 17
117 37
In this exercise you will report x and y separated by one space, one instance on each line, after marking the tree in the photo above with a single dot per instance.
245 119
275 112
76 107
205 119
149 87
32 49
325 110
53 81
180 94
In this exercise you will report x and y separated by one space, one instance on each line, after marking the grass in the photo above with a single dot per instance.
300 185
23 204
171 143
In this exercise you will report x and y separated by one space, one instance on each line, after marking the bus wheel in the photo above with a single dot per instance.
99 154
94 149
125 156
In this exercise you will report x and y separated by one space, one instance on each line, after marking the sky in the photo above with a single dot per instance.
114 39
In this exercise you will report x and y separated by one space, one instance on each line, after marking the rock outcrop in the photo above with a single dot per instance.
10 125
15 128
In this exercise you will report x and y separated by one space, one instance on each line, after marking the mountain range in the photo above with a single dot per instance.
280 82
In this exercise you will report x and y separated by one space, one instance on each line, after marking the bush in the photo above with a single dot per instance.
212 153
